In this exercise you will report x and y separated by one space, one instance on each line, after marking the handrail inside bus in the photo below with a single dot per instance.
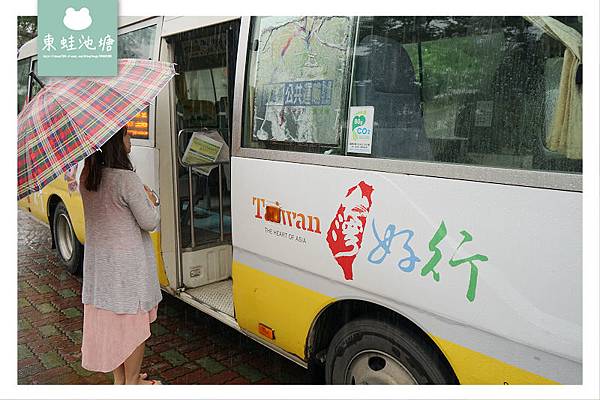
190 186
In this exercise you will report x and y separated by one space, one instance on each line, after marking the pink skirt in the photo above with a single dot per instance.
110 338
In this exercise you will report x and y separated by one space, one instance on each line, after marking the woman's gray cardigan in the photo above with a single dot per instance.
119 266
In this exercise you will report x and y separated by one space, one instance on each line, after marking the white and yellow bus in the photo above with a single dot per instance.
382 199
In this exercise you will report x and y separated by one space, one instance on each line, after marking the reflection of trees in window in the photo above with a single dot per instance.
450 55
22 79
137 44
486 80
26 29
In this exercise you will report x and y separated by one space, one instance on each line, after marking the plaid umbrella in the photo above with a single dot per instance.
71 118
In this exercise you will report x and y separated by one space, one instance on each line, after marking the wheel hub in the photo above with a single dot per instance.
373 367
65 238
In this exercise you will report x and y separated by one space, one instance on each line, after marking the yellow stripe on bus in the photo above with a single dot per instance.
474 368
288 309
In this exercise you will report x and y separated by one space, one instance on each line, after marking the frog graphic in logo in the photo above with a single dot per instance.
77 20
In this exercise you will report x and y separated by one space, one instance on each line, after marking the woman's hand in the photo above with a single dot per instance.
151 196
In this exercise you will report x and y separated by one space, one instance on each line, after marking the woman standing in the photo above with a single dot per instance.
120 285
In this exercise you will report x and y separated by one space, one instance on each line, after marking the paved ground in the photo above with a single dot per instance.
186 346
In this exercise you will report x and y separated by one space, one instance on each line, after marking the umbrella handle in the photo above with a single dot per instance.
34 76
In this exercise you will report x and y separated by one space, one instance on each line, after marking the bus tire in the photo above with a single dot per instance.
69 249
367 351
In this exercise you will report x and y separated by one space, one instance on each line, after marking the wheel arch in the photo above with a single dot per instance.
72 207
53 202
332 317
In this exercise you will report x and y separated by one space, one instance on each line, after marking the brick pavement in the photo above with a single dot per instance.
186 346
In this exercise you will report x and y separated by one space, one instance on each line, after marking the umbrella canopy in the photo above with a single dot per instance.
69 119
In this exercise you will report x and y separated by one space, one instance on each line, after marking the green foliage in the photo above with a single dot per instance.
26 29
457 65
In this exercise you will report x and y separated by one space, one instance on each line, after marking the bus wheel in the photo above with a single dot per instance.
371 352
68 247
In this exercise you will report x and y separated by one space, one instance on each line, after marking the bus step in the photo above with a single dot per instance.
218 295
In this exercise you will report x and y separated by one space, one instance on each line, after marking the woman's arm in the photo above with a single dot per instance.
135 196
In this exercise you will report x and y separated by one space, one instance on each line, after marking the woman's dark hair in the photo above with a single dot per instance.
112 155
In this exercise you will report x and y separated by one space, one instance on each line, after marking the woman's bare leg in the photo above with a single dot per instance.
132 364
119 375
132 368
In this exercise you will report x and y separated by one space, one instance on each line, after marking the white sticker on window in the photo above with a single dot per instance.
361 129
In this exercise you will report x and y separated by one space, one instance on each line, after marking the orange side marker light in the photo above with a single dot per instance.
266 331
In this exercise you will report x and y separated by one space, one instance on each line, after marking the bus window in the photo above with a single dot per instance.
22 80
138 44
468 90
297 87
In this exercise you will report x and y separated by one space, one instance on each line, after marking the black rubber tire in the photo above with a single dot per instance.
407 348
74 263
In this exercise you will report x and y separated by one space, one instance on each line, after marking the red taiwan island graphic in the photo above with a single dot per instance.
345 233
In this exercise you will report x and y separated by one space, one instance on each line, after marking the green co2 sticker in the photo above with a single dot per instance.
361 129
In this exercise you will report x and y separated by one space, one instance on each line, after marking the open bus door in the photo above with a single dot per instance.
202 107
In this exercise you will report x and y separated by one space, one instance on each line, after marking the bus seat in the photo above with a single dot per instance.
384 78
196 113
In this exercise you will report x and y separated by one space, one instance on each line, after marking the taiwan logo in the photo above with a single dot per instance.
345 233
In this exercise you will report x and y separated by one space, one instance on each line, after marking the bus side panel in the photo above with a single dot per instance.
279 295
475 264
25 204
281 305
38 202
